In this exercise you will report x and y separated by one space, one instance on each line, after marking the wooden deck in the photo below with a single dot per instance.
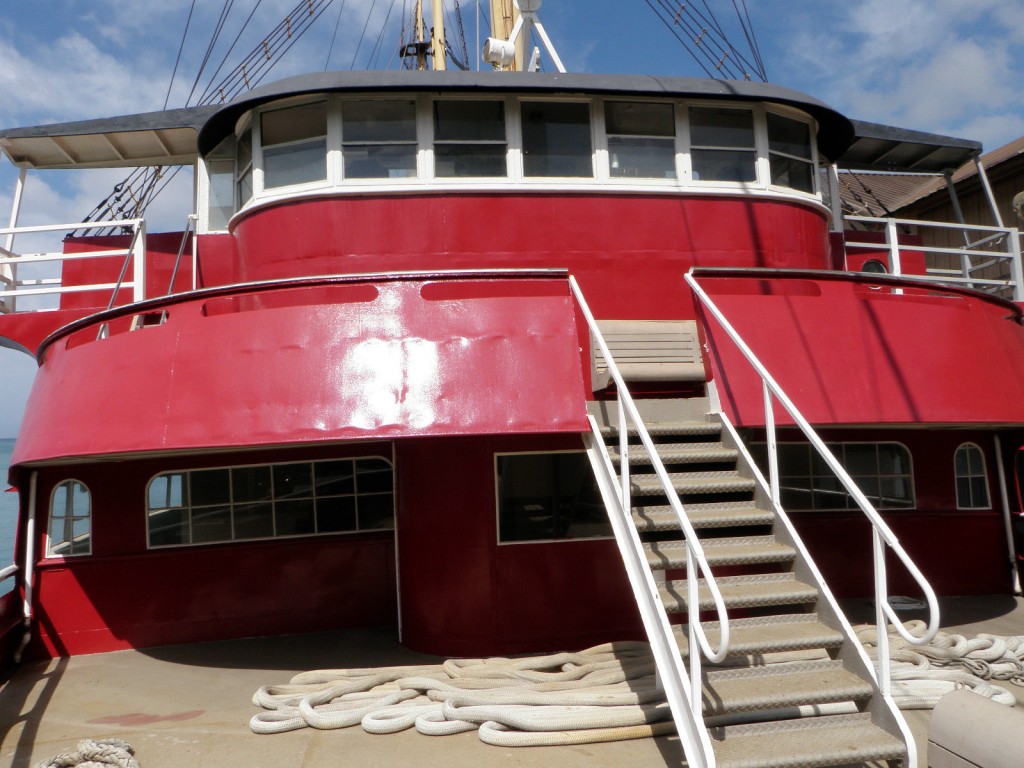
190 705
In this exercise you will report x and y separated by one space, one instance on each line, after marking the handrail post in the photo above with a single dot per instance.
139 262
1016 272
11 270
624 489
772 441
892 239
692 621
881 622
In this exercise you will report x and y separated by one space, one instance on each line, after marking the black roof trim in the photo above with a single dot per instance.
886 148
835 131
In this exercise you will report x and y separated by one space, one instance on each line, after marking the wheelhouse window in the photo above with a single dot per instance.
469 139
243 168
379 139
70 532
220 169
722 144
294 142
543 496
789 153
205 506
882 472
556 139
971 478
641 139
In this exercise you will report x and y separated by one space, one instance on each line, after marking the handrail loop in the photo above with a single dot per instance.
696 562
882 534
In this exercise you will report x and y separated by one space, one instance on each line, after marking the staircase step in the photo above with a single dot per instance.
775 686
678 453
805 743
693 482
718 514
737 550
741 592
767 634
662 428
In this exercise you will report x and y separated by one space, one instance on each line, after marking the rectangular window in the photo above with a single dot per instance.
881 471
545 496
556 139
204 506
722 145
294 142
469 139
789 153
641 140
70 531
243 168
379 139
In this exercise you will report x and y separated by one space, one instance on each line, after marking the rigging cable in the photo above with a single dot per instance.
334 37
374 58
181 47
229 50
362 35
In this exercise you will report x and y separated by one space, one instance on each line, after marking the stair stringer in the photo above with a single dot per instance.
882 708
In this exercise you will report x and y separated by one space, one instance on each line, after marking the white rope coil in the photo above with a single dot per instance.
95 753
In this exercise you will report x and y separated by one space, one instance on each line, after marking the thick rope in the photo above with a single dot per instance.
98 753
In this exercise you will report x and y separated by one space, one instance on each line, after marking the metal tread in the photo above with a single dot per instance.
775 686
662 428
715 514
767 634
724 481
752 591
736 550
678 453
811 742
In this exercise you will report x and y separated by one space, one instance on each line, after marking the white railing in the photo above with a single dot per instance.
12 287
882 534
995 249
684 696
8 573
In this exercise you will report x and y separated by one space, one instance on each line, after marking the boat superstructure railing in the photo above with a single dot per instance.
989 259
683 692
16 285
882 535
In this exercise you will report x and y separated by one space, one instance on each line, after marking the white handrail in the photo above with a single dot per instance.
882 534
696 563
8 572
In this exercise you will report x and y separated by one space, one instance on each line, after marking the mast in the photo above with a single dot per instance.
437 38
421 50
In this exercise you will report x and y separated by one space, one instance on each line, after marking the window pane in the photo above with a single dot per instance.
548 496
861 459
295 163
254 521
380 161
790 136
222 193
639 119
642 158
334 478
469 121
556 139
453 160
378 121
250 483
294 517
373 476
724 165
70 523
293 124
211 524
893 459
714 127
336 514
293 481
168 527
376 511
209 486
796 174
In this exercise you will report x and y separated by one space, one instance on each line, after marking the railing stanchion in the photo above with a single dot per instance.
881 621
624 457
770 438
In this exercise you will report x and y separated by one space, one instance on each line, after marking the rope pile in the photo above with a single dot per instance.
923 674
99 753
605 693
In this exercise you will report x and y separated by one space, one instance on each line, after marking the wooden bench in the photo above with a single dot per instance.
648 350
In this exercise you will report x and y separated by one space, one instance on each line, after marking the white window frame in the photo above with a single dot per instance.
69 519
969 445
812 126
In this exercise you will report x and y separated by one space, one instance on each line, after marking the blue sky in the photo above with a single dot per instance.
945 66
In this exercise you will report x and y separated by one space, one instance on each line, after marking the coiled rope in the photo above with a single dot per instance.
605 693
95 753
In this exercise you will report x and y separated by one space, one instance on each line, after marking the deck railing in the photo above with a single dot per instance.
882 535
14 287
989 259
684 695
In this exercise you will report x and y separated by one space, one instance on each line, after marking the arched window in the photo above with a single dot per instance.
971 478
70 531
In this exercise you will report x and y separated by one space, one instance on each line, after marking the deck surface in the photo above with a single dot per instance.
190 705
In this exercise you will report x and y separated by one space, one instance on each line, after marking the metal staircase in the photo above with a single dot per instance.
779 679
789 692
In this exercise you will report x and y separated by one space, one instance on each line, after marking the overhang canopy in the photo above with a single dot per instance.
151 138
885 148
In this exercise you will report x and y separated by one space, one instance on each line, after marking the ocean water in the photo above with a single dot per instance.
8 512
